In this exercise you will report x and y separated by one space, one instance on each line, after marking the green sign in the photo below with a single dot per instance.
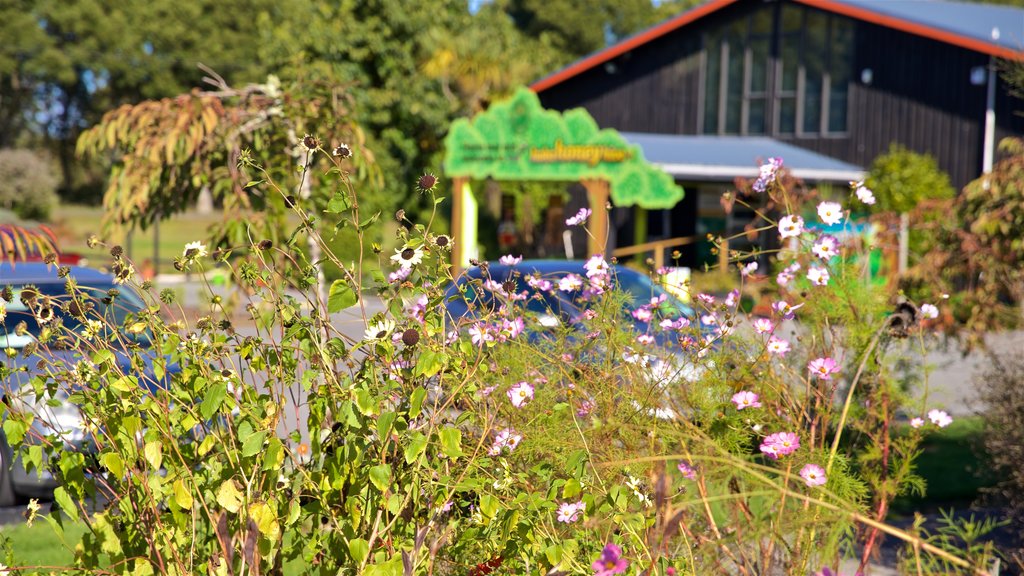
517 139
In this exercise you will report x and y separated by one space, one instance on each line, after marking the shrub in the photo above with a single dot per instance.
439 445
902 179
28 186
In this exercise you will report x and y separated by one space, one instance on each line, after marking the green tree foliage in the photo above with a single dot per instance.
902 179
28 187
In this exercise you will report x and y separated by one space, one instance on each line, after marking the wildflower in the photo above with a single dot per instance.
506 438
748 269
778 346
596 266
823 368
707 299
570 283
780 444
427 182
645 339
929 311
399 275
569 512
940 418
863 194
407 257
33 511
813 475
732 298
830 213
44 314
788 312
579 218
763 326
634 484
611 561
818 276
767 174
791 226
443 241
520 394
510 260
826 247
342 151
91 329
746 399
916 422
310 143
688 471
410 337
480 334
539 284
193 251
123 271
379 330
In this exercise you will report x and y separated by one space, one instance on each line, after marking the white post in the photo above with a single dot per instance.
988 153
904 243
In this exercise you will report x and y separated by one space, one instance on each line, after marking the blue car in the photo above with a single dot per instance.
480 289
55 415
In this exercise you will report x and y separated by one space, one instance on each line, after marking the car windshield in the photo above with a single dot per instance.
640 290
112 314
536 301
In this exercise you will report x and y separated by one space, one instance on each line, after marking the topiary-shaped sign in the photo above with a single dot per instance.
517 139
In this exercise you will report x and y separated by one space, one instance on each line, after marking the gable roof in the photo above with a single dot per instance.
986 28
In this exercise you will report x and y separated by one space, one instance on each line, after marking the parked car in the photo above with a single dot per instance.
55 415
558 305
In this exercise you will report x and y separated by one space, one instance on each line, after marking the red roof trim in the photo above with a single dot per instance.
914 28
628 44
685 18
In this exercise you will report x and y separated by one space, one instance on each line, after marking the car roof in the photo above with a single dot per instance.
40 273
543 267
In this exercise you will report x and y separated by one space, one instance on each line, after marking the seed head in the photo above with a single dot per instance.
117 251
265 245
342 151
410 337
310 142
427 182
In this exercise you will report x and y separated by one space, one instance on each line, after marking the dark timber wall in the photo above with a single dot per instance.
920 94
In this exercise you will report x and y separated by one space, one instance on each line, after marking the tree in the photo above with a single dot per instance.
902 179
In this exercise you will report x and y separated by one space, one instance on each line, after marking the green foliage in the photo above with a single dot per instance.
412 448
902 180
27 184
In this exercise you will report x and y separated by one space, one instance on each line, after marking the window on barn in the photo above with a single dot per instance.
798 86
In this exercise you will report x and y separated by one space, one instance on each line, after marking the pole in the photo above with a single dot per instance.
597 194
904 243
458 247
988 153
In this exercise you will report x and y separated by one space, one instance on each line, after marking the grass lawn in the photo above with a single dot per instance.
39 545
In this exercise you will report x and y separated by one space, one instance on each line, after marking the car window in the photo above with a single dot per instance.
112 315
640 290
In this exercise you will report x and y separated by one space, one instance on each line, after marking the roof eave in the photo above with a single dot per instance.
720 173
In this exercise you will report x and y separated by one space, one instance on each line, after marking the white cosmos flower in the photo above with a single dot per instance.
193 251
379 330
791 226
830 212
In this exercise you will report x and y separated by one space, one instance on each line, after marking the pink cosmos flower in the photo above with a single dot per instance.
707 299
611 561
767 174
748 269
539 284
830 213
916 422
570 512
785 310
513 328
596 266
940 418
763 325
863 194
791 226
780 444
645 339
510 260
746 399
813 475
586 407
818 276
823 368
709 320
687 470
480 334
507 438
732 298
826 247
520 394
929 311
570 282
579 218
642 314
778 346
399 275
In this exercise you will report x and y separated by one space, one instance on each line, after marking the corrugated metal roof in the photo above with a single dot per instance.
1000 25
722 158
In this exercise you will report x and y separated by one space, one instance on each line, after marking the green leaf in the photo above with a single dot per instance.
253 444
365 401
182 496
63 500
273 455
153 451
380 476
102 356
338 203
392 567
416 402
384 422
359 549
489 505
417 444
266 520
451 442
341 296
112 461
15 431
213 400
229 497
123 384
430 363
